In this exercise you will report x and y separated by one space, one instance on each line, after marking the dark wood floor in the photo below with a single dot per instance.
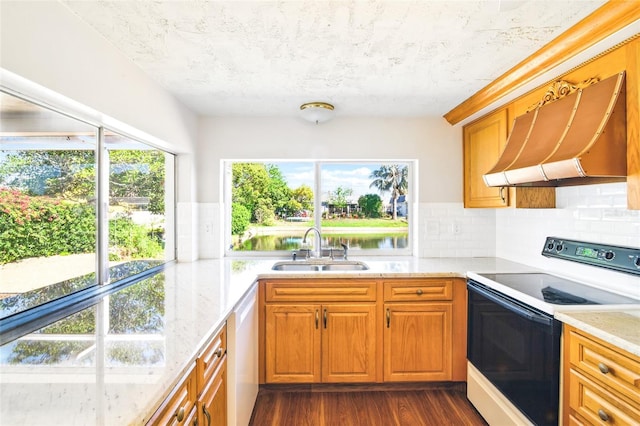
313 406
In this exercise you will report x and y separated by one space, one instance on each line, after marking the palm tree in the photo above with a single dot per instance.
392 178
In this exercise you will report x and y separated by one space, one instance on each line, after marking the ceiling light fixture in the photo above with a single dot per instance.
316 112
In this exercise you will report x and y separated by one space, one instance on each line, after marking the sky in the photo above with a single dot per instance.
348 176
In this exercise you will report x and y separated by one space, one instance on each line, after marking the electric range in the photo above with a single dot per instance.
513 339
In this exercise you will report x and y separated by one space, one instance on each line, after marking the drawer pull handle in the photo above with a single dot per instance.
206 413
325 318
388 318
603 368
317 319
419 292
180 414
604 416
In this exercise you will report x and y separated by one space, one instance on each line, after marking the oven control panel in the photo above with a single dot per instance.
622 259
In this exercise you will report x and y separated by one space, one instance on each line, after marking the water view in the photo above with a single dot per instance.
395 240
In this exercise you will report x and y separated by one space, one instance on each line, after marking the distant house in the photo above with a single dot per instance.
401 206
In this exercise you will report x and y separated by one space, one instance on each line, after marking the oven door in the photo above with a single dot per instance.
517 348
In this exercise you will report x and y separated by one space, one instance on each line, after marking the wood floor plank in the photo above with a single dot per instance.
312 406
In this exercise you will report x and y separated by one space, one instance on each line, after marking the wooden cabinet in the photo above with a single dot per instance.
180 406
319 331
200 398
483 142
211 369
362 331
601 382
419 329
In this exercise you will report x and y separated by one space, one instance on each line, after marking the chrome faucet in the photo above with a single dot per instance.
318 249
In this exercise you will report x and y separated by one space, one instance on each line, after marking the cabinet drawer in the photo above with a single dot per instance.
598 405
208 362
609 366
320 291
178 408
418 290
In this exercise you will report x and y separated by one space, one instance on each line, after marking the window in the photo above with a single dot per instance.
55 173
364 205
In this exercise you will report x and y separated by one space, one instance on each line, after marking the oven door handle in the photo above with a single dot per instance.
515 308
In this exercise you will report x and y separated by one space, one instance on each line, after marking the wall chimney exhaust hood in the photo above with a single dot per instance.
577 139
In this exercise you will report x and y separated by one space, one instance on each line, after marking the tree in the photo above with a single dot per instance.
70 174
303 196
370 205
277 191
392 178
338 197
249 185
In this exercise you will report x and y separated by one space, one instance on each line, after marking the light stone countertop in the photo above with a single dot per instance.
621 328
113 363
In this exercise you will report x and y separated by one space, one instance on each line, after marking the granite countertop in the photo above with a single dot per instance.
114 362
618 327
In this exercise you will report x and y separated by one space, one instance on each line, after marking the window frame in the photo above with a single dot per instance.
23 322
226 180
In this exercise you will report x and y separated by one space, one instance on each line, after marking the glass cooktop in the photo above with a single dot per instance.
558 291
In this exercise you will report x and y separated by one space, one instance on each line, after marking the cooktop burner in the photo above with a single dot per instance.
558 291
555 296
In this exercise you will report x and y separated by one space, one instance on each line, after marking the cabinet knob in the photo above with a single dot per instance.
419 292
603 368
219 353
603 416
180 414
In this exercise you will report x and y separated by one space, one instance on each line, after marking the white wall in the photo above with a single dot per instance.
432 141
592 213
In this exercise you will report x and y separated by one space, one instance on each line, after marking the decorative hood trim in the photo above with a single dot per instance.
575 135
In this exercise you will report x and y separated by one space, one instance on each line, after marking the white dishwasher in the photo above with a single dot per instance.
242 342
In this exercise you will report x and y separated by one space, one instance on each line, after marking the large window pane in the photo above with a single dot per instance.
140 206
363 205
271 205
47 205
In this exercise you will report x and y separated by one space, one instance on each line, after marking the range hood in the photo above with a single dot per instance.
577 139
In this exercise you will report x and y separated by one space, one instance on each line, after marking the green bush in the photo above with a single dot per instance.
41 226
128 240
371 205
240 218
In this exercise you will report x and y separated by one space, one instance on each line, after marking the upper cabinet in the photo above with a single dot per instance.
484 140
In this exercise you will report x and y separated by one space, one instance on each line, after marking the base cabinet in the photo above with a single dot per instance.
319 343
362 331
418 329
417 342
200 398
319 331
601 382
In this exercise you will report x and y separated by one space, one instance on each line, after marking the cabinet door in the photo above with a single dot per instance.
349 343
292 343
213 401
484 141
417 342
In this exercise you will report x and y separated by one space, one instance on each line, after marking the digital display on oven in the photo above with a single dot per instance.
587 252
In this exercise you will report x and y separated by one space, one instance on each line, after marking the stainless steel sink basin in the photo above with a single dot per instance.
320 265
345 266
295 266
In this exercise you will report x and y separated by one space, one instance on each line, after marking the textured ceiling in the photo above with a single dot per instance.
368 58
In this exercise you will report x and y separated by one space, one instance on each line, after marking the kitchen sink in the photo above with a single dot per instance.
318 265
